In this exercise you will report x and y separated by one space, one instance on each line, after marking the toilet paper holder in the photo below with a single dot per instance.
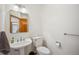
58 44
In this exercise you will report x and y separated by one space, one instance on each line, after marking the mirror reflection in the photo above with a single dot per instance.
18 23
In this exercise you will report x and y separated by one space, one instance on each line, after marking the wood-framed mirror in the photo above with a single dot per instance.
18 24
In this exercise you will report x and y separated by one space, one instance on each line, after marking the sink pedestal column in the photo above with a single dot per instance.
22 51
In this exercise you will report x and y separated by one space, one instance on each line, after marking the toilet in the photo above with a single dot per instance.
38 43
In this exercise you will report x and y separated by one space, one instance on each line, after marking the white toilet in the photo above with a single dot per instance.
38 43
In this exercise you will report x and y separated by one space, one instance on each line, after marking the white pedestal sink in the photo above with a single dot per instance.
21 44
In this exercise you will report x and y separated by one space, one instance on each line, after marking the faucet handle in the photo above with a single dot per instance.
20 38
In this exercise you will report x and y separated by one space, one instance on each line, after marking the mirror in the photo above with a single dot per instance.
18 22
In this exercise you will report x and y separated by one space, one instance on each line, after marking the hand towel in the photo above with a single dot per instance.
4 44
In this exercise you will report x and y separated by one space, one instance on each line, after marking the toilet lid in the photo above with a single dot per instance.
43 50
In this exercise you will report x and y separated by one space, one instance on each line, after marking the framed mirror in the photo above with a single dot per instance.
18 23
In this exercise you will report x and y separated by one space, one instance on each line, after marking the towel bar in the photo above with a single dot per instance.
71 34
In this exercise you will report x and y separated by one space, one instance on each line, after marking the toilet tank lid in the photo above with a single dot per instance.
36 37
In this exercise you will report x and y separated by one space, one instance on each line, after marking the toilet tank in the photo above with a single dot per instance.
37 41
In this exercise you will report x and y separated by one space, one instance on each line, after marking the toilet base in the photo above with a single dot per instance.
43 51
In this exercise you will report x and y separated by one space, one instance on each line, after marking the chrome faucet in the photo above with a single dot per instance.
20 38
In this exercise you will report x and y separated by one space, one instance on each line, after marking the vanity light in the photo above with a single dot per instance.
23 10
19 8
15 8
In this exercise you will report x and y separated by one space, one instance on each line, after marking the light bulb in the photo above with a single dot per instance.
15 8
23 10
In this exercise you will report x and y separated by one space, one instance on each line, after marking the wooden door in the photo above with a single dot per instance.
23 26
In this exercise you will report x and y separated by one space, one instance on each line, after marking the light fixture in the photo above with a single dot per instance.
15 8
23 10
19 8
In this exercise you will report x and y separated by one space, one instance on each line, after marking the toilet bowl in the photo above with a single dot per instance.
43 51
38 43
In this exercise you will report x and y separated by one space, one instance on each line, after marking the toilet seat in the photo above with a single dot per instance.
43 50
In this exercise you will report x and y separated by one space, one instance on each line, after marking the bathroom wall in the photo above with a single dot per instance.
1 17
57 20
35 18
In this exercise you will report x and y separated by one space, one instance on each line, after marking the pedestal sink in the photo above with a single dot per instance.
21 44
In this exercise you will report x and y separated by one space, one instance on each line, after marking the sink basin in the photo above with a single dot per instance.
21 44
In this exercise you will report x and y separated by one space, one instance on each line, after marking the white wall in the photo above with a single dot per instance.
57 20
35 18
1 18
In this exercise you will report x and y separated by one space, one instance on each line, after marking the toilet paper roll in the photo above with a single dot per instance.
58 44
